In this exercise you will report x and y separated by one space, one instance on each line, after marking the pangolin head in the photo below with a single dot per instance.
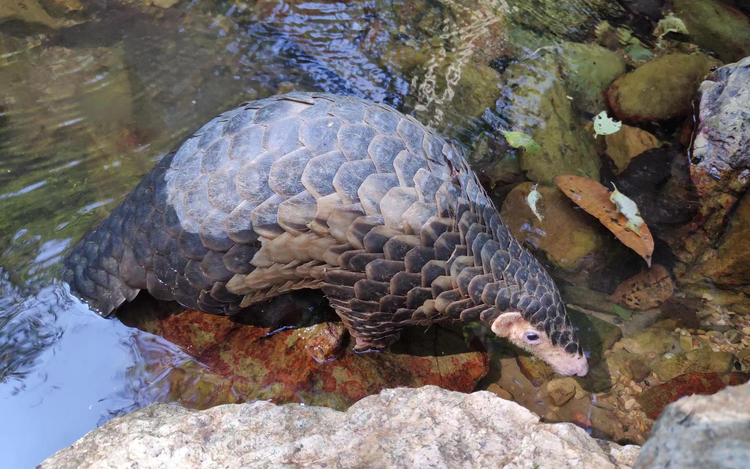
531 314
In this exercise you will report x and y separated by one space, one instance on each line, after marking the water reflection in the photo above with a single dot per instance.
65 371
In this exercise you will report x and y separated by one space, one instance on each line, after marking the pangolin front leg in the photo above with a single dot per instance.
311 190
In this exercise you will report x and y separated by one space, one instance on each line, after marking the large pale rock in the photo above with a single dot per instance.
702 431
419 428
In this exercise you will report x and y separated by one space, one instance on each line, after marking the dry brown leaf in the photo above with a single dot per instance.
594 199
645 290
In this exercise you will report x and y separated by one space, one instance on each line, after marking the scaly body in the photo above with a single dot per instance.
310 190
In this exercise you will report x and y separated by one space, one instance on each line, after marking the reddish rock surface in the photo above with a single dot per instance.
654 400
314 364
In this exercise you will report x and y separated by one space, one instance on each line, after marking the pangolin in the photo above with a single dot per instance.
313 190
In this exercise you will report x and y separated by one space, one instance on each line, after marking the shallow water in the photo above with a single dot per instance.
88 107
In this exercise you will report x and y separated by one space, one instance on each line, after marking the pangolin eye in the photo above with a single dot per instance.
532 337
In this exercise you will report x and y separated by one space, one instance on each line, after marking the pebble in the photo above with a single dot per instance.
733 337
629 404
686 343
746 330
603 405
500 392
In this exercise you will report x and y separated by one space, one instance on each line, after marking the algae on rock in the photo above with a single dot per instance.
534 99
661 89
716 26
570 239
565 18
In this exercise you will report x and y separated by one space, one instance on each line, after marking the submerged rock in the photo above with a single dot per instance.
661 89
627 143
312 362
716 26
566 18
534 101
569 238
588 70
694 361
427 427
702 431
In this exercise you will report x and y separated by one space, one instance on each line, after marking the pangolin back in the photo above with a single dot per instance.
311 190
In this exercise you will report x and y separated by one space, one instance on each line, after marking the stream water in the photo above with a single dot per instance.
93 93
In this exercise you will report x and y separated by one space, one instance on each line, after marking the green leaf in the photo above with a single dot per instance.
604 125
624 313
521 140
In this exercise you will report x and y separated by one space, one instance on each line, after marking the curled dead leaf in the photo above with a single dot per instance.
594 198
645 290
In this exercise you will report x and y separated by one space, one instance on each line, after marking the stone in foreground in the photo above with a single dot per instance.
702 431
417 428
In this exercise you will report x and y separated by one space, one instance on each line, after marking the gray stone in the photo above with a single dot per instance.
425 427
702 431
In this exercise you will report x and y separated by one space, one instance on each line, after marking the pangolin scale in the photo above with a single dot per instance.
312 190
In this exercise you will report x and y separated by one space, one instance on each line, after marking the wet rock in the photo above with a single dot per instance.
716 26
27 11
640 370
449 90
627 143
534 369
310 364
567 18
372 433
650 342
686 343
729 264
534 100
325 341
495 161
661 89
720 171
588 70
165 3
499 392
58 8
694 361
560 391
646 290
654 400
595 335
650 8
569 238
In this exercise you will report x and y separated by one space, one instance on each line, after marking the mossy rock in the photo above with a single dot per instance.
534 100
661 89
569 238
565 18
716 26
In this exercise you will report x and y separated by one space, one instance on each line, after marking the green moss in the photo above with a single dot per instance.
715 26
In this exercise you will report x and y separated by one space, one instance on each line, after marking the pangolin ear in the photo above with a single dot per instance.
503 325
